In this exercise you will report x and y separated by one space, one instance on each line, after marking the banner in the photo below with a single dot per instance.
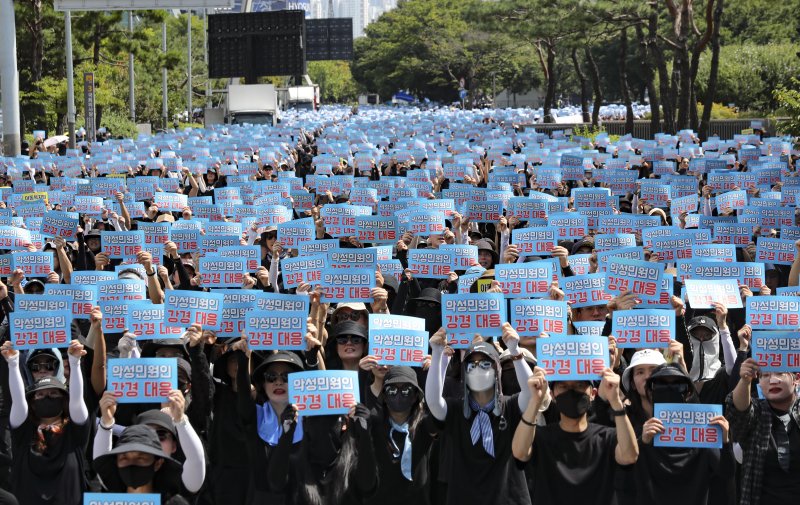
525 280
323 392
773 312
142 380
573 357
37 330
700 293
146 320
532 317
347 285
398 347
687 425
640 328
642 278
185 308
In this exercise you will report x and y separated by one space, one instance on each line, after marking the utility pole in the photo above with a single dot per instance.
164 103
70 80
189 81
10 79
131 79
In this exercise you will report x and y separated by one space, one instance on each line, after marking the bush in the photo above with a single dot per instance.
789 100
118 125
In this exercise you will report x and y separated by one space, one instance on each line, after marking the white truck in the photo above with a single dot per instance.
299 97
252 104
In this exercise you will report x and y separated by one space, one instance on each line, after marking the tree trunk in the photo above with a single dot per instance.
698 49
37 41
665 90
584 86
649 78
623 80
711 89
550 94
594 75
683 65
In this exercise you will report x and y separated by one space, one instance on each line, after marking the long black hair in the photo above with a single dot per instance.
310 490
415 416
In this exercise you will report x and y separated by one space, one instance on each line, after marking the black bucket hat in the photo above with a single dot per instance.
350 328
151 346
401 375
157 418
429 295
288 357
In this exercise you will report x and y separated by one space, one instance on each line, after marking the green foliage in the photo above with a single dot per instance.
591 132
119 124
789 100
719 111
336 84
748 74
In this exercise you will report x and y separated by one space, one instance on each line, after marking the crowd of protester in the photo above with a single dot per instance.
478 425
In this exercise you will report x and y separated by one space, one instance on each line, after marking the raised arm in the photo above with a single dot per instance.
78 413
522 443
435 382
521 368
99 359
627 450
194 467
19 405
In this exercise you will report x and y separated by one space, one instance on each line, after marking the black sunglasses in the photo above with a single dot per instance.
163 435
273 377
345 339
272 235
405 390
47 366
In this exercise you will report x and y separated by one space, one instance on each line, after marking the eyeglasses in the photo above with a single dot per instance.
273 377
44 366
483 364
347 339
405 390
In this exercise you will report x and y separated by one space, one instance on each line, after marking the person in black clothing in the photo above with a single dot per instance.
335 464
574 460
402 433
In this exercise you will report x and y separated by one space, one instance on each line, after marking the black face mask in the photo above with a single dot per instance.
48 407
137 476
573 404
400 403
669 393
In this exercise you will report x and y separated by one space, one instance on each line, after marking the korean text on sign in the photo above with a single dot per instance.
398 347
643 327
282 330
465 315
777 351
121 499
701 293
185 308
142 380
687 425
323 392
40 330
533 317
574 357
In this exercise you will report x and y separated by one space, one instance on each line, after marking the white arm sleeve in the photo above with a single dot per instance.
504 238
522 371
273 273
728 349
78 412
194 468
435 383
102 442
19 405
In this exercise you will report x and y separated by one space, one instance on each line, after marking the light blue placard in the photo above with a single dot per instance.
146 320
42 303
398 347
142 380
154 233
33 264
347 285
776 351
91 278
38 330
222 272
303 269
121 499
589 328
83 297
323 392
687 425
640 328
430 263
700 293
569 225
573 357
607 242
187 241
59 224
426 222
534 241
278 302
586 290
276 330
484 211
777 312
533 317
525 280
377 229
642 278
345 258
185 308
464 315
775 250
121 289
250 253
293 233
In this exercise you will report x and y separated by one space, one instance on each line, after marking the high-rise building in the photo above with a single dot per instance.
363 12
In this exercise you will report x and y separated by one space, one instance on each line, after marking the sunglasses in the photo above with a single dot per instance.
345 339
163 435
271 235
47 366
352 316
406 390
273 377
483 364
39 395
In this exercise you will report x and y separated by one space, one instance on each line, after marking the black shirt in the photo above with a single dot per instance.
781 487
574 467
473 475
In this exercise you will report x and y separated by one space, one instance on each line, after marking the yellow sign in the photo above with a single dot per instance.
748 131
118 176
484 285
39 196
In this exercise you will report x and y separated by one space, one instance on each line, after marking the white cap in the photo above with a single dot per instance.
643 357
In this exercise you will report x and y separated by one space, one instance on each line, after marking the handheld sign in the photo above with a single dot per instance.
351 285
60 224
142 380
586 290
185 308
303 269
643 328
465 315
398 347
589 328
391 322
532 317
430 263
121 498
40 330
701 293
32 264
323 392
641 278
773 312
83 297
524 280
42 303
573 358
146 321
222 272
775 250
776 351
280 330
687 425
534 241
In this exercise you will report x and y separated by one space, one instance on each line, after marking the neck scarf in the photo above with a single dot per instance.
270 428
482 425
405 459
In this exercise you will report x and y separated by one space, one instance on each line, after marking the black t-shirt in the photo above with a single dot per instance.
574 467
394 488
780 487
473 475
54 477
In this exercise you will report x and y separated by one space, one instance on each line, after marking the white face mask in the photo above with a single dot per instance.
480 380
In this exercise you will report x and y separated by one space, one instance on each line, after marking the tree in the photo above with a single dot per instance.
789 100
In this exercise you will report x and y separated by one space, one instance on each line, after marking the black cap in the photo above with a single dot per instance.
157 418
151 346
429 295
701 322
484 348
668 371
139 438
350 328
46 383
